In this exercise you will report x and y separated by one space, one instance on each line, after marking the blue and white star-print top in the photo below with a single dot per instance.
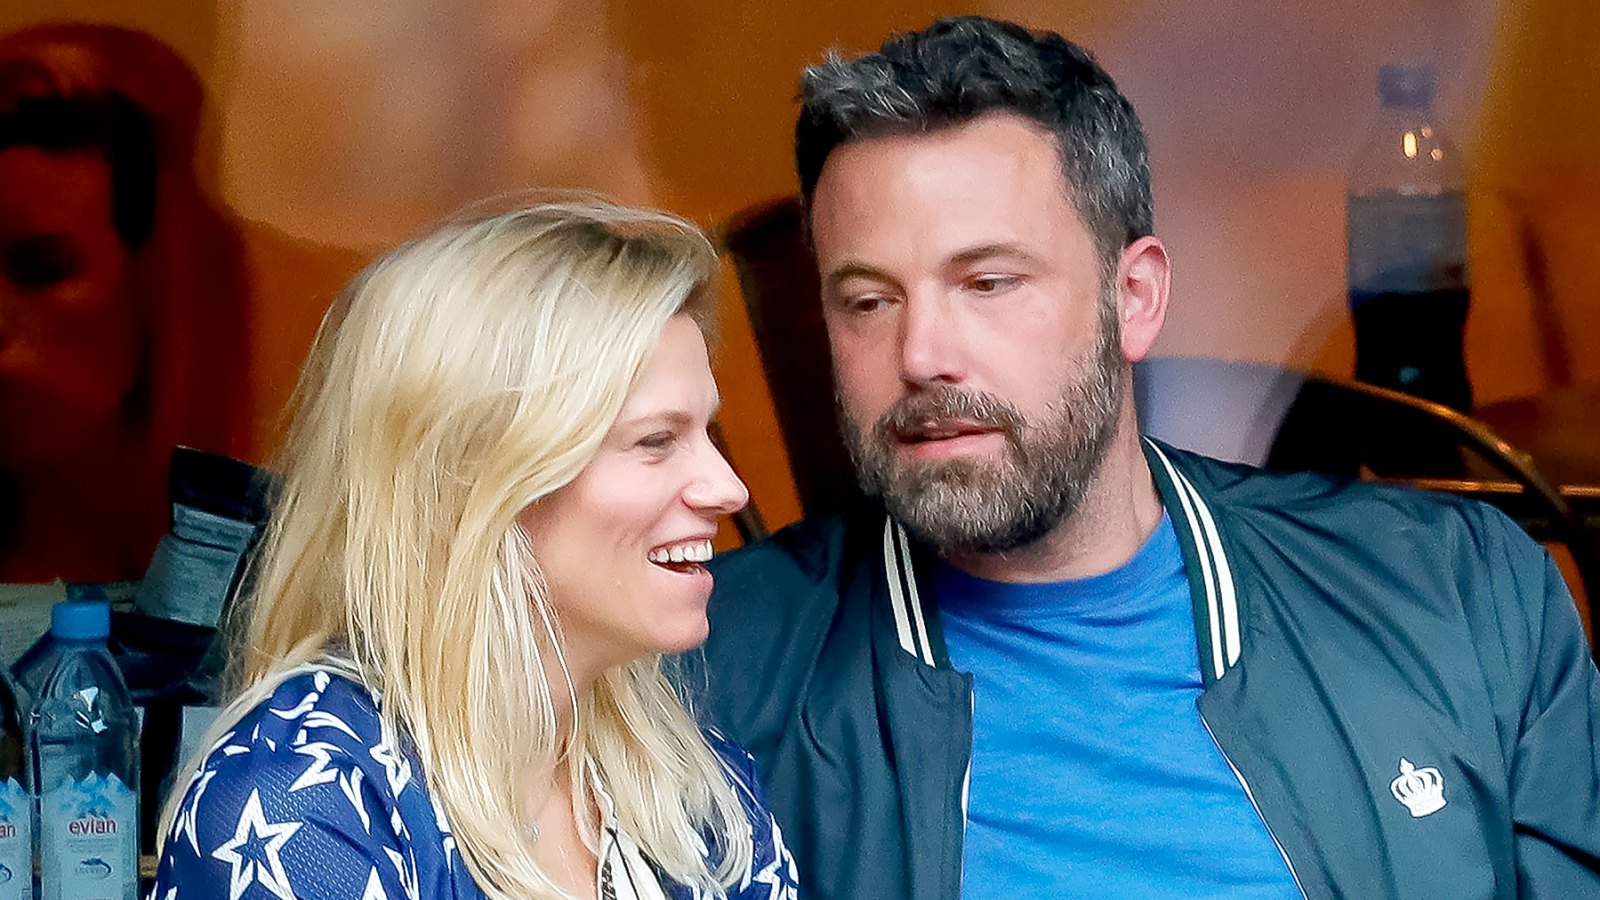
310 795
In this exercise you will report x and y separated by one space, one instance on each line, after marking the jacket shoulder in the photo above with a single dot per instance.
1460 557
771 606
1373 509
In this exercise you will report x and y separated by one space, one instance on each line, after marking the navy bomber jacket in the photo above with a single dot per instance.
1399 680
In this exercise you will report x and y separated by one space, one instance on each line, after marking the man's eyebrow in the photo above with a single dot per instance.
851 270
963 257
983 252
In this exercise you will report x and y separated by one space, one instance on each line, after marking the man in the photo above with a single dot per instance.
1074 662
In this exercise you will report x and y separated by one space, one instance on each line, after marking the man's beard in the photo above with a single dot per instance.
978 506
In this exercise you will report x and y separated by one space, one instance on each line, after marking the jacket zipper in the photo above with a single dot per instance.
966 792
1250 795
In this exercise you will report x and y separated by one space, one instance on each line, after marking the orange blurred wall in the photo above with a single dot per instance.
340 128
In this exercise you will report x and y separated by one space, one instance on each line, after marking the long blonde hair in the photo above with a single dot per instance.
459 379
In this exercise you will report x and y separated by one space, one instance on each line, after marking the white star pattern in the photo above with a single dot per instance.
268 872
405 871
779 874
448 840
395 766
186 824
350 786
374 889
318 772
320 719
307 703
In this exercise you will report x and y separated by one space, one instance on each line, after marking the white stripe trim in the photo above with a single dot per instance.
1218 667
913 598
1230 600
891 572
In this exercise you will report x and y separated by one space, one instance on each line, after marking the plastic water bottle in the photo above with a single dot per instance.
86 764
16 799
38 661
1407 228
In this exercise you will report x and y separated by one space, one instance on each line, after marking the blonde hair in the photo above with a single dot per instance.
459 379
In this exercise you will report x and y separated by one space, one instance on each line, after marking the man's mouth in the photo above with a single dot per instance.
944 431
683 556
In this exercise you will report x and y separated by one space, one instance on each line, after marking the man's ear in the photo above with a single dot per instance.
1144 278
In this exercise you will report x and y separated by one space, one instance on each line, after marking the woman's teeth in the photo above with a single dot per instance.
694 552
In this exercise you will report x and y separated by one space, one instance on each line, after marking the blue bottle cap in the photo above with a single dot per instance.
81 620
1406 87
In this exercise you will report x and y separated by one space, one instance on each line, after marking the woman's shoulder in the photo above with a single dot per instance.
316 724
310 790
312 702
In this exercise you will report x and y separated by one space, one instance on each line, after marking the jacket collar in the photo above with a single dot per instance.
1218 633
1212 589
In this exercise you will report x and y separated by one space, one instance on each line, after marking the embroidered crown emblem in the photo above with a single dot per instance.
1421 790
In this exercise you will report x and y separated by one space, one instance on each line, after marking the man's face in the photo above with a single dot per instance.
974 342
69 334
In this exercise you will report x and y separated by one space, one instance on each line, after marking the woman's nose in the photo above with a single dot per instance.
717 489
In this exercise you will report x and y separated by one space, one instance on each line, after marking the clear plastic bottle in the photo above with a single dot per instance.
1406 223
84 741
16 798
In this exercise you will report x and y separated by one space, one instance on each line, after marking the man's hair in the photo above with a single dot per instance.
959 69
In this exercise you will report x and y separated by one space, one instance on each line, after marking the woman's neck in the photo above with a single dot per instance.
561 819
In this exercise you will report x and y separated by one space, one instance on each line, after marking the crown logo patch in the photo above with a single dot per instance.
1421 790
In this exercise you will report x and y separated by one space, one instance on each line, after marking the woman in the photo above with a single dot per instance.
498 495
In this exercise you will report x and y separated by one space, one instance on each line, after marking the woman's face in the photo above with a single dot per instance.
621 546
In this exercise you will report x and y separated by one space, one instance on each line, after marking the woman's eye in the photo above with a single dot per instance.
660 440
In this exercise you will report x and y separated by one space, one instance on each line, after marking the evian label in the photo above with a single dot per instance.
16 842
88 840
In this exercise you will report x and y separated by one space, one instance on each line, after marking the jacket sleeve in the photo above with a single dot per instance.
1555 766
296 822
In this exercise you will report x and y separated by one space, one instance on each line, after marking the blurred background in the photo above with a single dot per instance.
327 131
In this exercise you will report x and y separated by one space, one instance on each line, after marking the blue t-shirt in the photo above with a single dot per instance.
1092 772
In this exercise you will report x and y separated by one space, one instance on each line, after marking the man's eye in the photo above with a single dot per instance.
993 284
864 303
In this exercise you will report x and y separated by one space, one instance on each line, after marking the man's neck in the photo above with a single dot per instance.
1118 513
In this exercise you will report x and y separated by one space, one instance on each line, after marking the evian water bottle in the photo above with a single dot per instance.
16 800
86 765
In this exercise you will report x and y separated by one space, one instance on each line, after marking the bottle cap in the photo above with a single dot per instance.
1406 87
81 620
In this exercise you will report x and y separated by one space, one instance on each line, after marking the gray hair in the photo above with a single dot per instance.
959 69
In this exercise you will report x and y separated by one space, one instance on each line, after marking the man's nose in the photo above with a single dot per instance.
930 342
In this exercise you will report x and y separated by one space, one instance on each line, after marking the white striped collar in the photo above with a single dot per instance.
1211 578
904 599
1219 637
